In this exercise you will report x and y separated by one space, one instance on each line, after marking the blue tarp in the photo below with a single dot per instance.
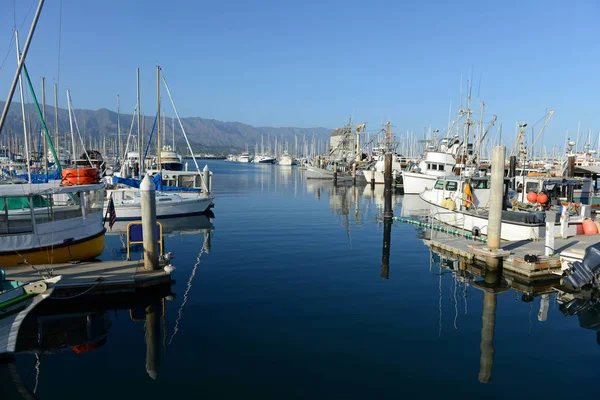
131 182
40 178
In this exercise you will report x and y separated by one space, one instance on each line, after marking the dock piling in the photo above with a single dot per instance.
335 174
148 200
550 218
372 178
354 174
496 196
206 178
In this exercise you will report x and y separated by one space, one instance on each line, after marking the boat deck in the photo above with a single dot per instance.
94 276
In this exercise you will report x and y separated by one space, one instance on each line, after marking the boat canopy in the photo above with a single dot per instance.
131 182
53 187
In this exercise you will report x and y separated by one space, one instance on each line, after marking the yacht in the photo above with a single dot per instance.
170 160
244 157
286 159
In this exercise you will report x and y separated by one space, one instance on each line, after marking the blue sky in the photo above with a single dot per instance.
313 63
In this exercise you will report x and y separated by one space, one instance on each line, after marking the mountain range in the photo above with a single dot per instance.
205 135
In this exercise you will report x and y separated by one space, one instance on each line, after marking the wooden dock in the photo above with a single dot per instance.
94 276
544 268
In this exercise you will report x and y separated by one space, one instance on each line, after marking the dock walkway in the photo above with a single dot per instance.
94 276
566 250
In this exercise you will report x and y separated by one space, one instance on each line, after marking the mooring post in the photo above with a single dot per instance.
206 179
148 199
372 178
354 174
335 173
512 171
496 196
550 221
564 222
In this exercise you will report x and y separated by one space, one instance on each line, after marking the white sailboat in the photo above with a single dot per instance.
286 159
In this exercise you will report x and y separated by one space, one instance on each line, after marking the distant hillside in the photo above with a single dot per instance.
206 135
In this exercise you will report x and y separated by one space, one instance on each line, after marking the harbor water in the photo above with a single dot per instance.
288 292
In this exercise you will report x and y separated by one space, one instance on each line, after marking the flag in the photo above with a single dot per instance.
112 215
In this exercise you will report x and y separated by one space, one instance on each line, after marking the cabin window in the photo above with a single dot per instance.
434 167
439 185
480 184
15 215
428 166
532 187
94 201
451 186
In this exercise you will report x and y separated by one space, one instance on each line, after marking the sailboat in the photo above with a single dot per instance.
49 222
183 198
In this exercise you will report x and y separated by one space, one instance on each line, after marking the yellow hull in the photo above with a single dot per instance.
84 249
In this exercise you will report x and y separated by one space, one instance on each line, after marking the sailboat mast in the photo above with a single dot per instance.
73 156
45 154
139 125
173 131
56 120
158 160
118 132
23 110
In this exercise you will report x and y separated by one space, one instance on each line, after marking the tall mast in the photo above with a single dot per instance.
139 125
173 131
20 62
45 154
158 160
56 119
19 57
118 131
74 154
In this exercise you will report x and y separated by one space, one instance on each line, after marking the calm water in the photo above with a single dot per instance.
287 298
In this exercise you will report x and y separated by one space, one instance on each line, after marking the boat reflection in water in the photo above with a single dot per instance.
82 324
180 225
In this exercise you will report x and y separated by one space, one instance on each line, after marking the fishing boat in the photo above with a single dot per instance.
50 223
463 203
433 165
170 160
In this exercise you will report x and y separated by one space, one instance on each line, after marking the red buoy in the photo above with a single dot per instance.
589 227
542 198
532 197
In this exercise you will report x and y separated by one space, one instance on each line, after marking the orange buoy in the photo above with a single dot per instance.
589 227
542 198
79 176
579 230
532 197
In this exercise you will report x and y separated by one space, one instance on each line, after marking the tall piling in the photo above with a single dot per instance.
354 174
148 200
206 179
512 171
372 178
335 174
496 198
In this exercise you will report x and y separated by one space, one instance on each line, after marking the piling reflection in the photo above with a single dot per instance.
152 330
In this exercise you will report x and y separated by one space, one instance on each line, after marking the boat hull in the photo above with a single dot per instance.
188 206
416 183
83 249
470 222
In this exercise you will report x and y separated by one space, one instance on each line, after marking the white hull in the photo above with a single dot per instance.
416 182
318 173
286 161
468 221
128 206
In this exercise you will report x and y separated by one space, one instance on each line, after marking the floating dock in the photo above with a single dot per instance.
94 276
513 253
